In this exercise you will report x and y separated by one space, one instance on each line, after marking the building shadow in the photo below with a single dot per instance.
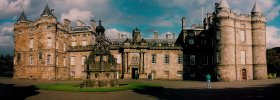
12 92
270 92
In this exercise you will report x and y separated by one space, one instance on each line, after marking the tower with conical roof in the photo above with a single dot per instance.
259 43
225 35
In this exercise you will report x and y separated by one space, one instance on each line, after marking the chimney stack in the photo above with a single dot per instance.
67 23
155 35
168 35
173 35
93 25
184 23
79 23
119 36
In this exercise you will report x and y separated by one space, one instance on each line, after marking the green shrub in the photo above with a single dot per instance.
269 76
274 75
76 87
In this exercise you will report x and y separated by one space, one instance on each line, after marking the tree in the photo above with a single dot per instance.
273 60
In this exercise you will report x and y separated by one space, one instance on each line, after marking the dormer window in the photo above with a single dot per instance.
191 34
191 41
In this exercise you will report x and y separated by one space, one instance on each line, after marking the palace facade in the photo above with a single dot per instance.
229 46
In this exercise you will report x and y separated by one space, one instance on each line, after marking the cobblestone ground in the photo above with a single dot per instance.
175 90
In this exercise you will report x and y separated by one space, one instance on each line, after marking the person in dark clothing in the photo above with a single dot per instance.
150 76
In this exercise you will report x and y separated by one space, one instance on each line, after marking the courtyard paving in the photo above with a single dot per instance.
269 89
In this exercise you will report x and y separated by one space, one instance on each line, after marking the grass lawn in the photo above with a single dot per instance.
76 87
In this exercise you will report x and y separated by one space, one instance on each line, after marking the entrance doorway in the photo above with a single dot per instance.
134 72
244 74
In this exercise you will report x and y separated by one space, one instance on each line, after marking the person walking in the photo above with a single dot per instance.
150 76
208 79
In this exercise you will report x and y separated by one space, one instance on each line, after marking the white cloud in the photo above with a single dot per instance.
10 7
114 33
193 7
6 34
272 36
273 13
76 14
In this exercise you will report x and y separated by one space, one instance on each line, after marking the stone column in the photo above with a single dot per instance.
140 62
143 63
127 69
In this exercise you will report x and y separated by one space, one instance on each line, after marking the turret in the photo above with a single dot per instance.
136 35
256 11
225 36
259 43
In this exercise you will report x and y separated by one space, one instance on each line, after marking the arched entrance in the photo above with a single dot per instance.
244 74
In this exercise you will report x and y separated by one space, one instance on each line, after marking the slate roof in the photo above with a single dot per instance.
47 11
22 17
256 8
223 4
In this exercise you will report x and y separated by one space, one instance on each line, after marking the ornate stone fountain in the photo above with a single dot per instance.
100 65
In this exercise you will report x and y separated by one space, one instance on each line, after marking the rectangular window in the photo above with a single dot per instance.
192 59
154 58
31 60
73 37
243 57
84 43
205 60
119 58
49 42
218 57
180 59
218 34
83 60
242 36
72 60
203 42
18 57
166 73
191 34
49 59
31 43
84 36
166 59
191 41
179 73
40 55
74 44
243 25
64 61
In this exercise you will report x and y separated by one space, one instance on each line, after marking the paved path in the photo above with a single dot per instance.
184 90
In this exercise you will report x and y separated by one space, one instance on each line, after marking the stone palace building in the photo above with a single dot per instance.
229 46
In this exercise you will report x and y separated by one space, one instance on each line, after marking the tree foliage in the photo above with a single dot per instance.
273 60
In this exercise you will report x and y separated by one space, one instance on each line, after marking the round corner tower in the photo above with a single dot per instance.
225 36
259 43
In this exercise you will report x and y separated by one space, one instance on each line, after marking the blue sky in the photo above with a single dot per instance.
122 16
